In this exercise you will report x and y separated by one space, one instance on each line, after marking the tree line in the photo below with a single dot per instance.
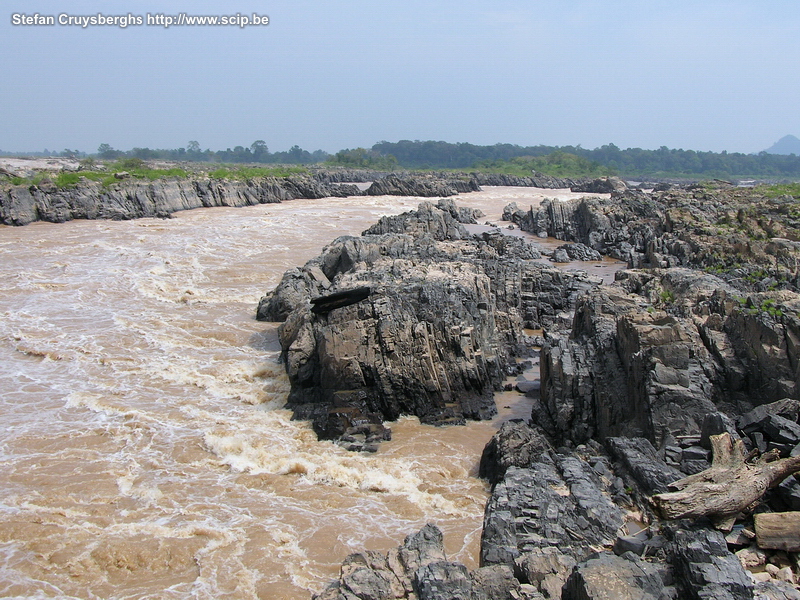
257 152
510 158
631 162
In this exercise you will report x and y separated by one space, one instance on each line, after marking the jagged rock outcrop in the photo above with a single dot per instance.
433 338
426 187
748 240
634 390
135 199
419 570
538 180
562 504
600 185
629 367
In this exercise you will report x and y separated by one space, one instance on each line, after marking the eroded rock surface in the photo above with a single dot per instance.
434 337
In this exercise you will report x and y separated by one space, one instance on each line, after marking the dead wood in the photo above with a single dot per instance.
778 531
730 486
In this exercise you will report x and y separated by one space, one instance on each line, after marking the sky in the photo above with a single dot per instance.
711 75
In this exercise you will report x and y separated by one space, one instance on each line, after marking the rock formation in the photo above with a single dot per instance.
434 337
694 347
131 199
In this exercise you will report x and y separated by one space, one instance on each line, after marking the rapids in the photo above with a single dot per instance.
144 451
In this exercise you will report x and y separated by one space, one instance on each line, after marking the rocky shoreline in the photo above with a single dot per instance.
696 346
133 199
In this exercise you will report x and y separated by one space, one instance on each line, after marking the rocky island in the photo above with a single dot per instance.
120 196
659 458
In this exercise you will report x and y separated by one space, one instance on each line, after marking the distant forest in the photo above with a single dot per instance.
632 162
503 158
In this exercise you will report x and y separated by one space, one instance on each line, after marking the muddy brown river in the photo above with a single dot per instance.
144 449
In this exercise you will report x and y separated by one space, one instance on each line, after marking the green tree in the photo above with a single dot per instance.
106 151
259 150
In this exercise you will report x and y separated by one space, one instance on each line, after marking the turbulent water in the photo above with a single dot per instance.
144 451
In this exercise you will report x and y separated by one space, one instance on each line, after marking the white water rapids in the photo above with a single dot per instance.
143 449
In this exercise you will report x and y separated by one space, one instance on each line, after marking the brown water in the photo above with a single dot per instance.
144 452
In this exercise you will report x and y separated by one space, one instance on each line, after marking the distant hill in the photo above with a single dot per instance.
786 145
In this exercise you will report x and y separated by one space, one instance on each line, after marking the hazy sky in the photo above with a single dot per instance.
710 75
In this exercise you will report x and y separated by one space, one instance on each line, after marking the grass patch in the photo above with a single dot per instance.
785 189
240 173
138 170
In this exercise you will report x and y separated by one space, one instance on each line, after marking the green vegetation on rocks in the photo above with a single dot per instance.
556 164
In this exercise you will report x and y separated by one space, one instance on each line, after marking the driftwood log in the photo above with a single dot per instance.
730 486
778 531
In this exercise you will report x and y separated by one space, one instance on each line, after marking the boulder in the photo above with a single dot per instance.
610 577
516 444
705 568
563 505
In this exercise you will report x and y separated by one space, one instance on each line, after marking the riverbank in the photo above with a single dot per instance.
690 349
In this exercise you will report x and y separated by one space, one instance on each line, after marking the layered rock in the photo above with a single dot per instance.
425 187
747 239
436 333
653 362
135 199
633 389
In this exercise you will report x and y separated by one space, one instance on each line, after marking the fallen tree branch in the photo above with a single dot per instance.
730 486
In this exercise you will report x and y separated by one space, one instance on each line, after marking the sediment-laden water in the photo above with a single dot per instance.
144 452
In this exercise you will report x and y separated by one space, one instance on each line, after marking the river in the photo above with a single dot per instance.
144 449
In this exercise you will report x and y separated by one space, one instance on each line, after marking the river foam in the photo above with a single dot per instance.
144 450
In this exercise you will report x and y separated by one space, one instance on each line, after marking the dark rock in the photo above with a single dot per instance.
324 304
610 577
714 424
516 444
692 467
525 387
560 255
788 494
775 590
494 583
578 251
538 180
640 459
631 543
601 185
443 580
425 187
434 337
367 584
695 453
705 569
528 509
759 441
788 408
781 431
